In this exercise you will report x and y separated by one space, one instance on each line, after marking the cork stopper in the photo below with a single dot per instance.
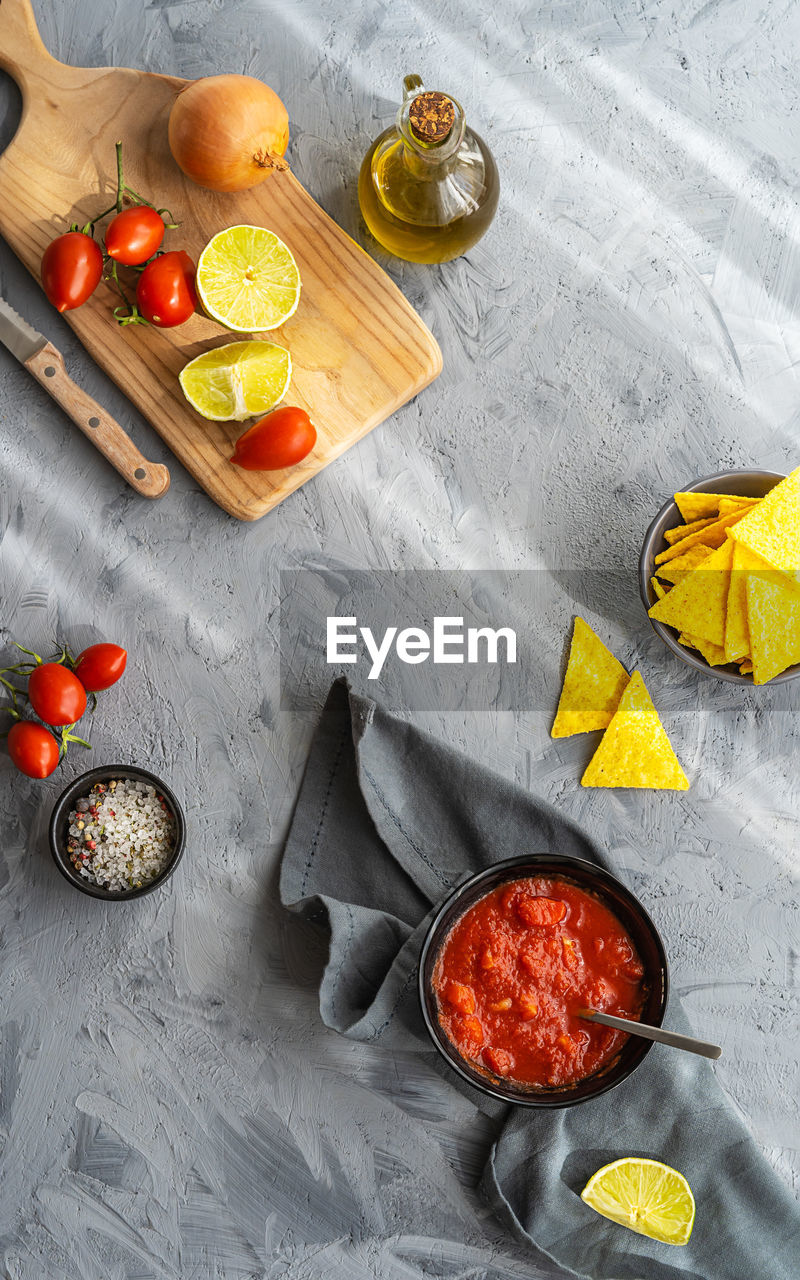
431 117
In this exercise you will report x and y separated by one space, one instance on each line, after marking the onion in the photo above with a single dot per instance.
228 133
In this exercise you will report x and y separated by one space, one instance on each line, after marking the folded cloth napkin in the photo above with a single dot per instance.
388 820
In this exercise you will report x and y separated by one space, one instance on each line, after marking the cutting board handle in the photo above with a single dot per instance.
22 52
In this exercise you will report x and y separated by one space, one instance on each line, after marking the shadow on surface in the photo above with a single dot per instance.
10 109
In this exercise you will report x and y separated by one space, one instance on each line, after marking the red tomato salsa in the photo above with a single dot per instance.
515 967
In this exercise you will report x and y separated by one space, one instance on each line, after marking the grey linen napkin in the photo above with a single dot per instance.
388 820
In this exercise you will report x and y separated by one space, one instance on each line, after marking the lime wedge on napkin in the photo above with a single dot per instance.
644 1195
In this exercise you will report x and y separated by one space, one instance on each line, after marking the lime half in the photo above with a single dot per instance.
645 1196
237 381
248 280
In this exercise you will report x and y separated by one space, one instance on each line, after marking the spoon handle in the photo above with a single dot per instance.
672 1038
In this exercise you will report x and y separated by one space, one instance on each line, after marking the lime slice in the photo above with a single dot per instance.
237 381
646 1196
248 280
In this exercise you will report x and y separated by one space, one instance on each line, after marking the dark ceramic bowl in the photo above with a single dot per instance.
631 914
59 823
746 484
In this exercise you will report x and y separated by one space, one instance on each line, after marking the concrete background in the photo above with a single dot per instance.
170 1105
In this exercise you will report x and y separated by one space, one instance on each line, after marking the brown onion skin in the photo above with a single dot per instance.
229 132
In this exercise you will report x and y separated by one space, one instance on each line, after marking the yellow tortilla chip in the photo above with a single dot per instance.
698 604
737 632
683 530
676 568
660 590
634 750
772 529
714 654
593 685
746 667
697 505
727 505
712 536
773 616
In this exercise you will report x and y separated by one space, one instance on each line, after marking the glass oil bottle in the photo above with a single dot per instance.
428 186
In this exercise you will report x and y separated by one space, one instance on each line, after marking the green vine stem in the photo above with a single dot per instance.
68 736
123 191
37 661
25 668
127 312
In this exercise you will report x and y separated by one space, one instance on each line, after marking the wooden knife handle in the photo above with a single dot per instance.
150 479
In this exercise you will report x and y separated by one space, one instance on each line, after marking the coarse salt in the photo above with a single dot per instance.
127 837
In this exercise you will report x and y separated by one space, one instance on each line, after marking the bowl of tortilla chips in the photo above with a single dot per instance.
719 576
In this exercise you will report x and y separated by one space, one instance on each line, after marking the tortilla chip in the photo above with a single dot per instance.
773 616
660 590
635 751
772 529
727 505
697 505
712 536
593 685
698 604
683 530
737 632
714 654
674 571
746 667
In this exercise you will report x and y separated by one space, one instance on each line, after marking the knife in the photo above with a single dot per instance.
46 363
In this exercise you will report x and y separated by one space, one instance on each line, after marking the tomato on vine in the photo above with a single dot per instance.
56 694
165 294
72 266
100 666
134 235
33 749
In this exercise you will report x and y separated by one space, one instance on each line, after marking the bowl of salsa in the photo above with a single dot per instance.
513 954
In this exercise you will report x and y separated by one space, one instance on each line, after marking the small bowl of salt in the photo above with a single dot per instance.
117 832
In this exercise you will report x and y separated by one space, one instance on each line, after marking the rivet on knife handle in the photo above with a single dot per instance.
150 479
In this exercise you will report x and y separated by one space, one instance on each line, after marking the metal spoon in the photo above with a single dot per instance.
652 1033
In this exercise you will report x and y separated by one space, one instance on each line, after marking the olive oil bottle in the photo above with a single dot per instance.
428 186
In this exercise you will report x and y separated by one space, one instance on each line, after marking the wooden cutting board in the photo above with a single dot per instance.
358 349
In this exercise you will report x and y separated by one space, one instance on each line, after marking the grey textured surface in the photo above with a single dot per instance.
170 1105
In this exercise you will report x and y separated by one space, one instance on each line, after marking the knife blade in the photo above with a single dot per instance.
16 334
46 363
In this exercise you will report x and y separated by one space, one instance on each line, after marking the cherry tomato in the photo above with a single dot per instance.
283 438
134 235
165 294
71 269
100 666
33 749
56 694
